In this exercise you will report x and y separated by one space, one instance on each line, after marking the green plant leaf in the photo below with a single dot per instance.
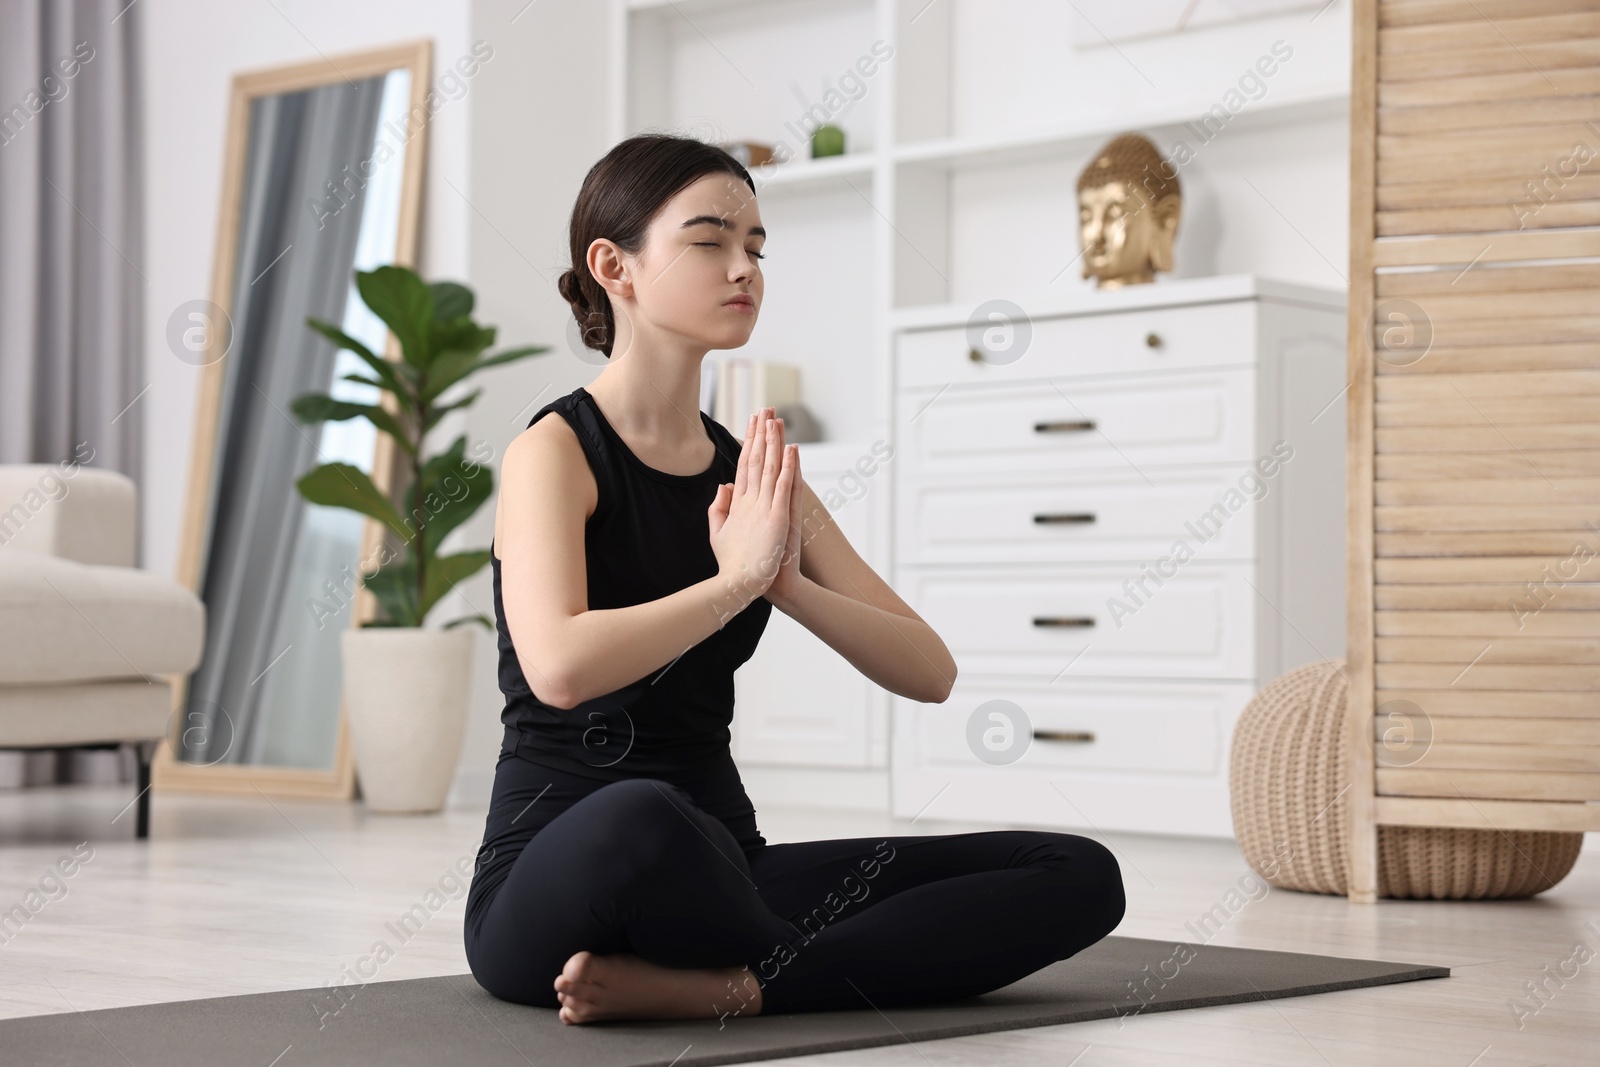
460 334
440 345
383 368
394 585
447 494
320 407
451 300
440 412
445 571
451 367
512 354
401 299
341 339
484 619
341 485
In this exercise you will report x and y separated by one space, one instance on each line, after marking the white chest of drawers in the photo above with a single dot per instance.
1121 534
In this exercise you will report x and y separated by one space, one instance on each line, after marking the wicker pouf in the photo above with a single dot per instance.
1286 773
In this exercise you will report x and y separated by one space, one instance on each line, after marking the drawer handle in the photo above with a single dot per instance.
1078 736
1071 425
1153 340
1063 620
1065 516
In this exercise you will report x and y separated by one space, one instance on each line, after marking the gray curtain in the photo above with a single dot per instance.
72 283
293 262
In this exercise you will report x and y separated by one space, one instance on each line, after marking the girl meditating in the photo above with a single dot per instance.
639 549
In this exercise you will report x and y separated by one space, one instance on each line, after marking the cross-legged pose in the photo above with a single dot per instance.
639 549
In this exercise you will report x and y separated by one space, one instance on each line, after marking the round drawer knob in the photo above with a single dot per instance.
1153 340
974 355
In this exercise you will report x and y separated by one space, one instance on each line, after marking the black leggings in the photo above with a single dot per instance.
635 866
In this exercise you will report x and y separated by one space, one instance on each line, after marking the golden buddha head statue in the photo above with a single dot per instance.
1128 209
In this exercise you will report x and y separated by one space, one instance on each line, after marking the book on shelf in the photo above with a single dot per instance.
744 385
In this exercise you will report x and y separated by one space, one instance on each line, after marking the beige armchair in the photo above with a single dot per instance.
86 638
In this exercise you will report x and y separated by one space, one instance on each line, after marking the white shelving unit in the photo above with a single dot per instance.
897 233
873 228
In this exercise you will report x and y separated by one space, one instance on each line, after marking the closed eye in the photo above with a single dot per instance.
713 244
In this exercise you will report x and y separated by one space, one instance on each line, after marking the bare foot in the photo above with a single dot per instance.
625 986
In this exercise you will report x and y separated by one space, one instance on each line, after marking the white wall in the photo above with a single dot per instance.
539 116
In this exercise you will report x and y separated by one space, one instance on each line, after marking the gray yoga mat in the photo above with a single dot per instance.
451 1020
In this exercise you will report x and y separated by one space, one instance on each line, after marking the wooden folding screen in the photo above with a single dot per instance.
1474 407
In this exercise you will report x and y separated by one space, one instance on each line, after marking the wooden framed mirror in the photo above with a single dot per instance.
322 176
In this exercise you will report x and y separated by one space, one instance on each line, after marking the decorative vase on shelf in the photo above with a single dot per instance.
405 687
827 140
749 153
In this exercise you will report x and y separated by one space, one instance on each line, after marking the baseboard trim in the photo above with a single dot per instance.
473 787
847 788
837 788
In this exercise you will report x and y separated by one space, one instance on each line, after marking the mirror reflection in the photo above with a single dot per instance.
320 197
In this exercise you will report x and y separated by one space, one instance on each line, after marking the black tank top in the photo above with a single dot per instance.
647 538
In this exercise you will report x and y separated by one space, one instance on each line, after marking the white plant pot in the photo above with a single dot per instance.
405 691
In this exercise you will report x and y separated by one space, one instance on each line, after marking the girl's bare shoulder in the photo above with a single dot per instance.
545 466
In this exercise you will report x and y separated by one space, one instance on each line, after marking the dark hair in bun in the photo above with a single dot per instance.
620 195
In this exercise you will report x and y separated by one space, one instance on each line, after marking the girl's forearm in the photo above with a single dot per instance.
608 648
903 655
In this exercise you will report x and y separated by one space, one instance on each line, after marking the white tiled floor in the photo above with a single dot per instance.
235 895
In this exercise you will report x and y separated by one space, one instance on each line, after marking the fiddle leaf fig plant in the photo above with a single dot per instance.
440 345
